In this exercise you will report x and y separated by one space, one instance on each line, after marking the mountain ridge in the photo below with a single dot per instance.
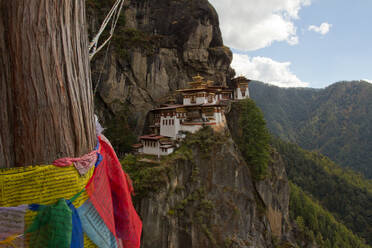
336 120
344 193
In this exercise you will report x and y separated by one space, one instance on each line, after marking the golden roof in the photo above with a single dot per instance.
198 78
241 80
200 84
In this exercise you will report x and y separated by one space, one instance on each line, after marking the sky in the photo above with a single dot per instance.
298 43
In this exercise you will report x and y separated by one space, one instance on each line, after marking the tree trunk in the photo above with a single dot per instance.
46 102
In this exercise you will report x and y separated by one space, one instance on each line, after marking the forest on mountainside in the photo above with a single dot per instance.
317 225
336 121
344 193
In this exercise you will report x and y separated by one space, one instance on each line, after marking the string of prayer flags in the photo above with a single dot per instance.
95 228
77 238
82 164
104 211
52 226
41 184
110 193
12 223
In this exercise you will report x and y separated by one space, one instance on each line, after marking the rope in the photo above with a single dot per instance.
113 13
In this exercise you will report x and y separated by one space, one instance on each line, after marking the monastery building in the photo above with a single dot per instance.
203 105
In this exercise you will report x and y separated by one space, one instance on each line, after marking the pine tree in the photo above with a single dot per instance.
254 139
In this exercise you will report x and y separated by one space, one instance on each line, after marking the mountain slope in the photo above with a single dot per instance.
347 195
337 120
317 225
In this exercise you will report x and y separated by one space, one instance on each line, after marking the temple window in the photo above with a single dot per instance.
210 98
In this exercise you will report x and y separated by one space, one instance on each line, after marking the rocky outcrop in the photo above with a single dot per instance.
274 189
206 202
161 45
208 198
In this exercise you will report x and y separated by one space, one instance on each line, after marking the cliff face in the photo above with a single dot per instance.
274 192
207 198
204 194
274 189
159 47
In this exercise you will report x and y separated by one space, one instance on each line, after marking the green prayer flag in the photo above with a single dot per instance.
52 227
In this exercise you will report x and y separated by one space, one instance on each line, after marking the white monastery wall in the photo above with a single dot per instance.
218 117
168 151
169 126
150 147
238 94
186 101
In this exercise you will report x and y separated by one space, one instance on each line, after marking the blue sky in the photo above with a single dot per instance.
272 42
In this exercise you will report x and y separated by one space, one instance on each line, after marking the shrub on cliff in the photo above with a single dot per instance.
120 134
254 138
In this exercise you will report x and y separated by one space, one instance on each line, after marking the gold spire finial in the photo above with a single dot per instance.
198 78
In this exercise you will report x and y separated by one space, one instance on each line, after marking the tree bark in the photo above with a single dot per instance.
46 102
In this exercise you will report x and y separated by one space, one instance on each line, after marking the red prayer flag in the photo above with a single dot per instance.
110 191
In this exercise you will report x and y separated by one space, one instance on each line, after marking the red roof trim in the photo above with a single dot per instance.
198 123
152 137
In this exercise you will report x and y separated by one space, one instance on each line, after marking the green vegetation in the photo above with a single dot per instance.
149 174
124 39
205 139
343 192
120 134
147 177
253 140
316 224
98 9
336 121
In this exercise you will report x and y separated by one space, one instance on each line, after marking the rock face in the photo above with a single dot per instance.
209 199
159 48
274 192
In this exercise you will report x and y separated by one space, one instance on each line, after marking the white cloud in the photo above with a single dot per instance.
266 70
367 80
322 29
251 25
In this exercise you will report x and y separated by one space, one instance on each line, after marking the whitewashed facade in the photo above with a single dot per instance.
202 106
241 90
169 126
154 145
241 93
150 146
